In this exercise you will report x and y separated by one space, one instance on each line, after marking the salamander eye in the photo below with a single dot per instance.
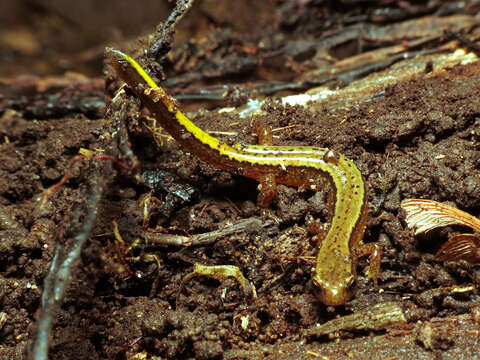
350 282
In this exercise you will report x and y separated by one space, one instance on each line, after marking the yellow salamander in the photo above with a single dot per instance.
307 167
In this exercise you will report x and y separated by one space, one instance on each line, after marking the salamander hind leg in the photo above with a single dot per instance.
375 252
267 187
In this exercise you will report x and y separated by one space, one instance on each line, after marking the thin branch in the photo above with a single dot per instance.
249 225
60 270
82 222
163 45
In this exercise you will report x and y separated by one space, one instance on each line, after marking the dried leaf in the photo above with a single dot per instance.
460 247
425 215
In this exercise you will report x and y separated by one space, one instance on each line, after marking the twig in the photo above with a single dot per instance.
464 41
68 173
163 45
60 270
82 220
378 317
250 224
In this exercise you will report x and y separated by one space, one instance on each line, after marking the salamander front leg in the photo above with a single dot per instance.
375 252
317 228
267 187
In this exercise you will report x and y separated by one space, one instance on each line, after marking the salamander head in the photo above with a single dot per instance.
336 291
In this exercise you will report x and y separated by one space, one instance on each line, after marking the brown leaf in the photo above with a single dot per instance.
425 215
460 247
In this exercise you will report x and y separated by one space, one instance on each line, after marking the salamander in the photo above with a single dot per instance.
307 167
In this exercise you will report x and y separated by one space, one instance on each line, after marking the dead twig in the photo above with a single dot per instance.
250 224
163 44
378 317
67 252
464 41
65 257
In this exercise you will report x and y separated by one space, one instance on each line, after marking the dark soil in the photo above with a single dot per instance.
414 137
